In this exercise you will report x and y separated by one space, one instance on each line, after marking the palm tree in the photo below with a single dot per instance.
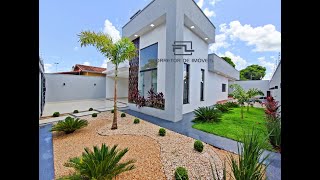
244 96
117 52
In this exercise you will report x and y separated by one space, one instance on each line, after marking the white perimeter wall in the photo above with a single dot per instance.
122 87
275 81
213 82
262 85
157 35
76 87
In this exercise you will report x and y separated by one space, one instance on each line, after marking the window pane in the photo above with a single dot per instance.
202 85
148 57
186 78
223 87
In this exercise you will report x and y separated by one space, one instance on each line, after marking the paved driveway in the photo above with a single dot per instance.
80 105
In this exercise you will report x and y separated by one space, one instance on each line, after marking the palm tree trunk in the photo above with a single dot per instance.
241 111
115 114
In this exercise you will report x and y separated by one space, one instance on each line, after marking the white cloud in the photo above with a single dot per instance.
209 13
86 63
213 2
268 76
237 60
111 30
200 3
104 64
264 38
47 68
76 48
220 42
262 61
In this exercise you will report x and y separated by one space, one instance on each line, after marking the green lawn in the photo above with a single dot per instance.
232 126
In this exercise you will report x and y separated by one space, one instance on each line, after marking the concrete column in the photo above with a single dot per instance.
174 71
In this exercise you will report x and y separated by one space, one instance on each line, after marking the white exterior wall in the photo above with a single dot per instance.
122 87
262 85
157 35
200 51
275 81
214 89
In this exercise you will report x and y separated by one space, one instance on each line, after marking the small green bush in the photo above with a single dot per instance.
222 107
69 125
181 173
198 145
94 115
136 121
90 109
75 111
232 104
123 114
112 111
207 114
56 114
274 131
162 132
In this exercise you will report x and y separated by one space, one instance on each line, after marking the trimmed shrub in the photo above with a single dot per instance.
69 125
123 114
75 111
94 115
162 132
101 163
56 114
90 109
181 173
222 107
198 145
232 104
136 121
112 111
207 114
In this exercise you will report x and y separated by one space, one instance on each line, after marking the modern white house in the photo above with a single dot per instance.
42 87
172 38
275 84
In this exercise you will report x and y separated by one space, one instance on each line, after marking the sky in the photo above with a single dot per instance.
247 31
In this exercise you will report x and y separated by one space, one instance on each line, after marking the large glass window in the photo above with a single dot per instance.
202 85
148 57
186 77
148 69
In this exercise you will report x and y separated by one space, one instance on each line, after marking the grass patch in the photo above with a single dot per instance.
233 127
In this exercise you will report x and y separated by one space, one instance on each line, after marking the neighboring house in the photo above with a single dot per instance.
84 70
186 85
275 84
42 87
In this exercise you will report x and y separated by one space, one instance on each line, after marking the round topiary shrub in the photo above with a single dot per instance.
90 109
112 111
181 173
75 111
56 114
94 115
123 114
136 121
162 132
198 145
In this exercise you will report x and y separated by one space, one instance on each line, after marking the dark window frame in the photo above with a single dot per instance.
187 99
202 85
224 87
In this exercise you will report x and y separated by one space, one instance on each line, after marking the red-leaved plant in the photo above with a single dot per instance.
155 99
272 107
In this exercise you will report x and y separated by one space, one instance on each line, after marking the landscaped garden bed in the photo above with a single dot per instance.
157 157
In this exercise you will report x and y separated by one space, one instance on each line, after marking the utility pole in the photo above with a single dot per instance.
56 63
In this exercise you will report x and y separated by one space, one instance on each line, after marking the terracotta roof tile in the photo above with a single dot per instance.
90 68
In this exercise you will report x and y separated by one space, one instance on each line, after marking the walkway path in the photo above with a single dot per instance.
46 168
185 127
